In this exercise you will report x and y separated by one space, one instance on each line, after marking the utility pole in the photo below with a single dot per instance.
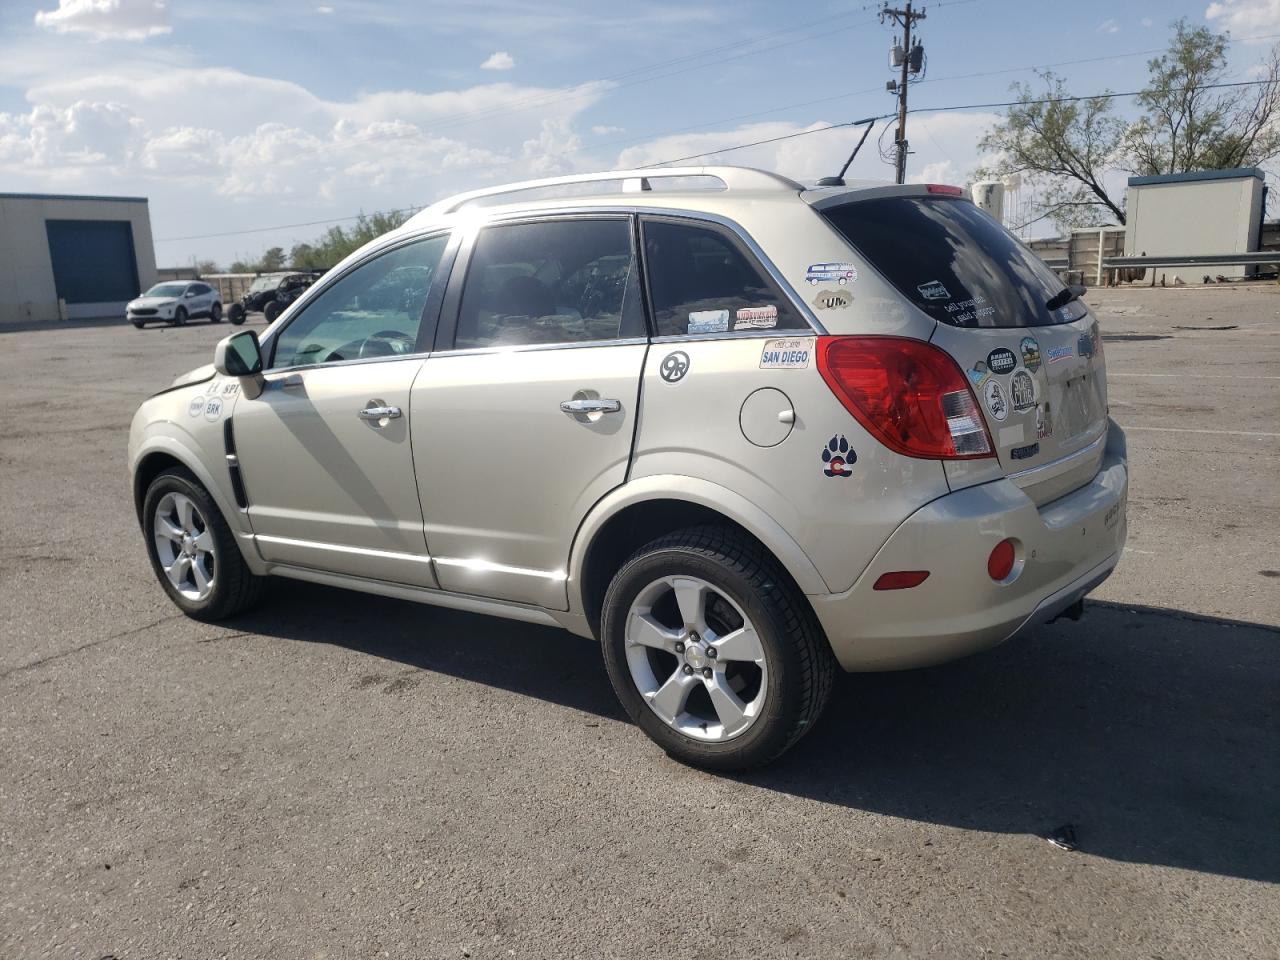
911 61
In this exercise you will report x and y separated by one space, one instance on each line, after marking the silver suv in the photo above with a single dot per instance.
740 430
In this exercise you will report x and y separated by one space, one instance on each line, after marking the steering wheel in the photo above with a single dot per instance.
379 344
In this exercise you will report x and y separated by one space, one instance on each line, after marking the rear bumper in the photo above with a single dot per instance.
1068 547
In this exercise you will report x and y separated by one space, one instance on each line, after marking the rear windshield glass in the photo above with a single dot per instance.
954 262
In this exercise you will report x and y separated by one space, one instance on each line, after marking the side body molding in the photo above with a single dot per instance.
706 494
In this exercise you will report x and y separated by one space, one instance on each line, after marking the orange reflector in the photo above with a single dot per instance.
901 580
1000 563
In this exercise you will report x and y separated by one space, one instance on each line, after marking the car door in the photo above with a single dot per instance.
325 450
525 414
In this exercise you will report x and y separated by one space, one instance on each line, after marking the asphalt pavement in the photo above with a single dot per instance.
339 775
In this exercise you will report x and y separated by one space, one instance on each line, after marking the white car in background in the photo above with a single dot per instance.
175 302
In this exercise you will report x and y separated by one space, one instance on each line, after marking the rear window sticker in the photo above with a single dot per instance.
882 315
674 366
213 409
840 272
1010 436
1001 360
1085 345
967 313
748 318
832 299
979 374
1030 350
1024 453
1054 354
934 290
1022 391
837 457
790 354
196 407
709 321
1044 422
993 394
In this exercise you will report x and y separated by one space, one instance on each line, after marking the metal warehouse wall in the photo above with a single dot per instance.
28 291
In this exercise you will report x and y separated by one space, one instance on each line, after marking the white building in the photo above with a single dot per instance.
71 257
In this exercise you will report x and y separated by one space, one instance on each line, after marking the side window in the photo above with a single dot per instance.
702 280
557 281
373 311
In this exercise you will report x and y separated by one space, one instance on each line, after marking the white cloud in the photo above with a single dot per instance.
324 8
1245 16
601 130
501 60
108 19
1147 21
1108 26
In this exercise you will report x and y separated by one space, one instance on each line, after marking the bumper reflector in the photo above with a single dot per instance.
901 580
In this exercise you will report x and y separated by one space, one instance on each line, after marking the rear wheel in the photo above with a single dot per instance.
193 551
713 651
271 311
179 316
215 313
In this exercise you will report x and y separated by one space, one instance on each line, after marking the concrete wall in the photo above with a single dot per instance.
1214 211
27 290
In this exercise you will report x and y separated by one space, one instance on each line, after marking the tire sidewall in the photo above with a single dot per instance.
179 316
176 481
236 314
215 313
771 731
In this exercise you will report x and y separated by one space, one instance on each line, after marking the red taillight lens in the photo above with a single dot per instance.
945 189
907 393
900 580
1000 563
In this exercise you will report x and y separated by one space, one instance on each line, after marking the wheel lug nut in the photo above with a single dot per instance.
679 648
688 669
706 672
711 653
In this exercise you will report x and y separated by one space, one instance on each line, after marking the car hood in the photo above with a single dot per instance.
152 301
198 375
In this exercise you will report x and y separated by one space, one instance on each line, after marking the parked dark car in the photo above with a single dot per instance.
271 293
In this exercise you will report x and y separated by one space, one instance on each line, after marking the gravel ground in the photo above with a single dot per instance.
337 775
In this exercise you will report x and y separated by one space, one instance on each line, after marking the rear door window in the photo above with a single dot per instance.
953 261
552 281
702 281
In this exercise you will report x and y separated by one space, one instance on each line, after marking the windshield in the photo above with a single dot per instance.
954 262
264 283
166 290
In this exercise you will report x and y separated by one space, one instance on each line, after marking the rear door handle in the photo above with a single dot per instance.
382 412
591 406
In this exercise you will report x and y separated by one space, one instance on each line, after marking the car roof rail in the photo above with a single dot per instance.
633 181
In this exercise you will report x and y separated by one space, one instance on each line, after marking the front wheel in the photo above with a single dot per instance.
179 316
713 651
193 552
235 313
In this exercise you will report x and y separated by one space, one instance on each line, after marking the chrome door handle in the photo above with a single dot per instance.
379 413
591 406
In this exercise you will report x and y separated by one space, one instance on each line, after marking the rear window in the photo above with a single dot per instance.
954 262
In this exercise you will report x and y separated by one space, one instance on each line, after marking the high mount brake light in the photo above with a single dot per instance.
908 394
945 189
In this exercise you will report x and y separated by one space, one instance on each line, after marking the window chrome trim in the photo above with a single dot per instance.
270 374
539 347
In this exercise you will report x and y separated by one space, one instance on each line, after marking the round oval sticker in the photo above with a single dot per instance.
993 394
1001 360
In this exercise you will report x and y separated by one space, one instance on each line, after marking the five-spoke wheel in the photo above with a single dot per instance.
185 546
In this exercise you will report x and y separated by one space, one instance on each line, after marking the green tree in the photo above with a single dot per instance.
204 267
272 260
1065 147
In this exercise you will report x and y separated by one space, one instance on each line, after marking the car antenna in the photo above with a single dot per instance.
838 179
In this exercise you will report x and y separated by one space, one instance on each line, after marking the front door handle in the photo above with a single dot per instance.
599 405
379 412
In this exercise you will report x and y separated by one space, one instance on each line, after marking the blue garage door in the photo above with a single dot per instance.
93 260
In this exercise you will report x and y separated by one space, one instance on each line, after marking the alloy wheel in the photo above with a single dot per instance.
696 658
185 546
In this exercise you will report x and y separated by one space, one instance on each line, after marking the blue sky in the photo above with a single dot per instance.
233 114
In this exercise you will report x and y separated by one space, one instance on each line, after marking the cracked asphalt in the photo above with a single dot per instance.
335 775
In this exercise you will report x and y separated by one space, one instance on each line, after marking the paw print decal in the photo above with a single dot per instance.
838 458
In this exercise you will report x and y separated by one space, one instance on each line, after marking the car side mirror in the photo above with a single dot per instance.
240 356
189 293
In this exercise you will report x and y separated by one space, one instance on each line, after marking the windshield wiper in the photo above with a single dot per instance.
1065 296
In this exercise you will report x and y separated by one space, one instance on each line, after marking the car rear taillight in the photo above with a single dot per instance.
908 394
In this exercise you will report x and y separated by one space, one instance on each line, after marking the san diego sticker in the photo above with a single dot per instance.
840 273
789 354
993 394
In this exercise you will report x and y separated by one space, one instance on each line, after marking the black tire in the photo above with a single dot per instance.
180 316
801 667
215 312
138 324
235 313
235 587
271 311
